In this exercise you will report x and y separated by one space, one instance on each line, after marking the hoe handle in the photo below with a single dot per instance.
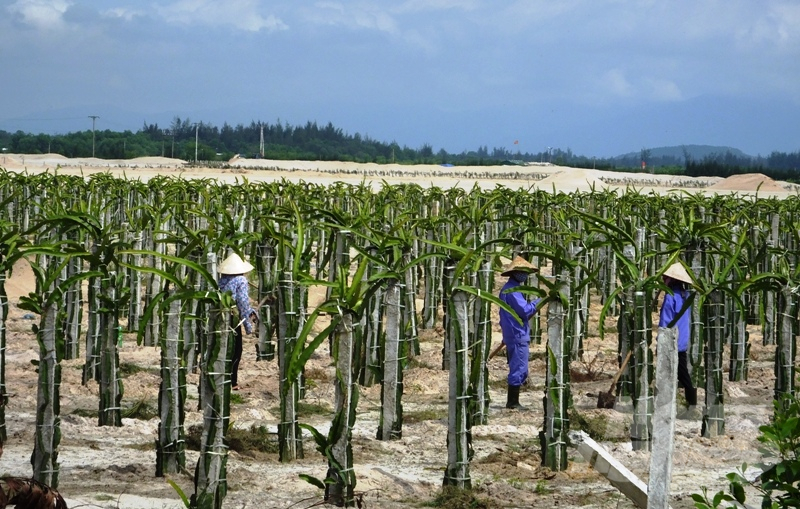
496 351
621 367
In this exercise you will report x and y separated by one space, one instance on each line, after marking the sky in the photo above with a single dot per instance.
598 77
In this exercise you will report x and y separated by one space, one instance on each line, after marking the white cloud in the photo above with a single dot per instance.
41 14
615 82
241 14
123 13
376 20
437 5
360 16
335 6
663 90
777 26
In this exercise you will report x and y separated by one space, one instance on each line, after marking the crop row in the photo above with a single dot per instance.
148 251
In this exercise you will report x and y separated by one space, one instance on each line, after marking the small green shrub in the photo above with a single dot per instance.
516 483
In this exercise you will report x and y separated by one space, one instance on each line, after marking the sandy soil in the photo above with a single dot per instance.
539 176
115 467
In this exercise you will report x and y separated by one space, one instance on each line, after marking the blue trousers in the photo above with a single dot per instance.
517 355
236 358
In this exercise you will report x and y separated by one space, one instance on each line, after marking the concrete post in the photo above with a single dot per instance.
663 419
616 473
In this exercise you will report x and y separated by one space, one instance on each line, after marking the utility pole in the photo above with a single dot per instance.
196 138
93 117
261 145
170 132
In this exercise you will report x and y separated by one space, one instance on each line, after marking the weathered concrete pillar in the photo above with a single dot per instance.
616 473
663 419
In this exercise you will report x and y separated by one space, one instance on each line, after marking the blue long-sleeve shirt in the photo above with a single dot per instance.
513 330
673 303
238 287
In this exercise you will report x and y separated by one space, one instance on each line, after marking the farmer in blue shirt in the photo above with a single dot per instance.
517 336
673 314
232 279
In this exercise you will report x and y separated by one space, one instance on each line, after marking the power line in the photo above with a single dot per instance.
39 119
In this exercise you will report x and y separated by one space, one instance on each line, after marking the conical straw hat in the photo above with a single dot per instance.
234 265
518 264
678 271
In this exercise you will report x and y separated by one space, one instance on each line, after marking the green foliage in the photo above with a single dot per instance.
778 483
328 143
325 447
180 493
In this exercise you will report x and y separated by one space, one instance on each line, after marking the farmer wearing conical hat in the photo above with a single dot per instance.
232 279
673 314
517 336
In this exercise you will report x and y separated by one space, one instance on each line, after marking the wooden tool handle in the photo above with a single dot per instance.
496 350
622 367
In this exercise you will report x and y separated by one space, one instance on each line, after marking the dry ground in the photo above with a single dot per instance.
114 467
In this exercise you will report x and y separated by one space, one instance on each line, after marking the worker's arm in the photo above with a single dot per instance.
240 295
520 304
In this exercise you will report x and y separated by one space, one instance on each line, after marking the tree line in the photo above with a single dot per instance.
188 140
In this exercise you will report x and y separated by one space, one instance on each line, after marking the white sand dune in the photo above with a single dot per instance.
539 176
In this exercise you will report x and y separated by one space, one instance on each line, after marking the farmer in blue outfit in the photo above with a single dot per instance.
673 314
517 336
232 279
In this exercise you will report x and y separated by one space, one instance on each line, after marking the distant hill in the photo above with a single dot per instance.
695 152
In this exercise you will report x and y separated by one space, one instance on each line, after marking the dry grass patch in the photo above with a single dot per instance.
253 442
429 414
455 498
320 375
